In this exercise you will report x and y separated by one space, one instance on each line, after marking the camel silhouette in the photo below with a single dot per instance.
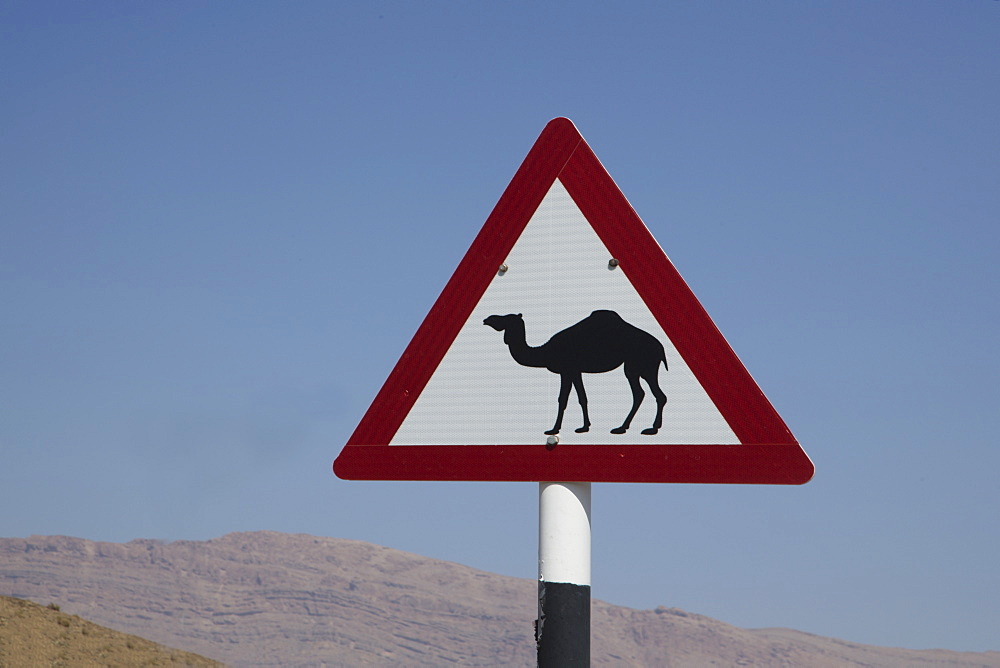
600 342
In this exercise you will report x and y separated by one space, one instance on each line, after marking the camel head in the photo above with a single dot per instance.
504 322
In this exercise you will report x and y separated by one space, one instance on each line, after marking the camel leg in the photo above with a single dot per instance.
637 394
661 400
581 394
565 383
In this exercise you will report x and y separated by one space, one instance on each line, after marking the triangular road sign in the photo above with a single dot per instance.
566 347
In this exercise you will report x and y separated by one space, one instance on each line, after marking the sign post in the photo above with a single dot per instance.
565 293
562 630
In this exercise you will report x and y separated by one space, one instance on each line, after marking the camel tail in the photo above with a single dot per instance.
663 358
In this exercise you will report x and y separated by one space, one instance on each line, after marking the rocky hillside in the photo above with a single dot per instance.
271 599
32 636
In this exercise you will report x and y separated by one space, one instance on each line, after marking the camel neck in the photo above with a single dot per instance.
522 353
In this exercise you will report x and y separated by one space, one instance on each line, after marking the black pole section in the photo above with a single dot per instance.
562 630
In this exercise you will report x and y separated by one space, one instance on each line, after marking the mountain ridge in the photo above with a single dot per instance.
267 598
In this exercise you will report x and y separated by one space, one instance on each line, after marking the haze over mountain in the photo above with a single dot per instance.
273 599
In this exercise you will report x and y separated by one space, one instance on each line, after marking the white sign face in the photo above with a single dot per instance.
557 275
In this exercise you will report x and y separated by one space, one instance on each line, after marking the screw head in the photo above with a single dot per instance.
551 440
503 268
612 263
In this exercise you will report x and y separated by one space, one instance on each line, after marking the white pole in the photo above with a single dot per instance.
562 630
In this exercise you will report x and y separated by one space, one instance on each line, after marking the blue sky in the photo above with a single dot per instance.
220 225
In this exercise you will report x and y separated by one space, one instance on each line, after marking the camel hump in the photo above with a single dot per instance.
606 315
612 323
615 330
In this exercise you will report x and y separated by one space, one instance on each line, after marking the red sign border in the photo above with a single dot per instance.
767 453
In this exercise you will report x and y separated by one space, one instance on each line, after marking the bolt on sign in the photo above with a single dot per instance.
566 346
